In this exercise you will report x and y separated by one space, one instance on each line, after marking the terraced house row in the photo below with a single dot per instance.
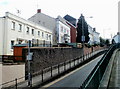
16 30
41 29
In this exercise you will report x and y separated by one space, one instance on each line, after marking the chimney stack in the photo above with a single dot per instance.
94 29
39 11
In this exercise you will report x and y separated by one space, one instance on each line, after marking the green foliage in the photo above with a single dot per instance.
88 45
107 42
104 42
82 23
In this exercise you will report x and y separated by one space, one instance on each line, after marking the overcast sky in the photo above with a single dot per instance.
104 12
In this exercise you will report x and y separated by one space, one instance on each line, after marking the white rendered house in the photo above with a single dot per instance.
94 36
63 30
15 30
116 38
59 27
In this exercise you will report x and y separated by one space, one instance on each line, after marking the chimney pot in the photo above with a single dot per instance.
39 11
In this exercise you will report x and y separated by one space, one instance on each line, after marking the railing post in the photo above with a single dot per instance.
88 55
51 71
70 63
77 61
42 75
83 57
74 62
58 68
16 83
64 66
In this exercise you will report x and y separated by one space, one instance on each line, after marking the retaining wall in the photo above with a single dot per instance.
46 57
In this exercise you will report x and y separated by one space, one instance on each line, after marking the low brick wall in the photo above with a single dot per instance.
88 50
46 57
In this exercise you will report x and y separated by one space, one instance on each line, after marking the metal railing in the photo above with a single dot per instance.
52 72
94 78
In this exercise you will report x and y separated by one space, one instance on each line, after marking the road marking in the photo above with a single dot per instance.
45 86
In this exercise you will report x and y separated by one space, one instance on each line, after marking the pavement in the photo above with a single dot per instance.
115 73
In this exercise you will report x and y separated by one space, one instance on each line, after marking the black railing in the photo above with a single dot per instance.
94 78
52 72
42 43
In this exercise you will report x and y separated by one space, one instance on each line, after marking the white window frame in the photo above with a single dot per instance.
42 34
13 25
28 30
20 27
12 43
38 33
33 32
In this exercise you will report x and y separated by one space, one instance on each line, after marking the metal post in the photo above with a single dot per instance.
16 83
42 75
64 66
29 72
51 71
83 57
70 63
74 62
58 68
50 44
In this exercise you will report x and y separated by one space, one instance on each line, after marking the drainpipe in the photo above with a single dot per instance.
4 28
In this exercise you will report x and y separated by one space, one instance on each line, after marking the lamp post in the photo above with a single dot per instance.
29 58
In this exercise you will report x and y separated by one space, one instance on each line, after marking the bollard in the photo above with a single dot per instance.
16 83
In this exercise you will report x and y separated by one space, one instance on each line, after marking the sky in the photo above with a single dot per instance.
104 12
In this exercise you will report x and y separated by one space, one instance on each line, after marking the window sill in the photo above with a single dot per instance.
19 31
12 29
11 50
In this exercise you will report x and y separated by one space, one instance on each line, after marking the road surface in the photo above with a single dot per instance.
75 78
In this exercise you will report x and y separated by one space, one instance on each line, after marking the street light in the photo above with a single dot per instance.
29 58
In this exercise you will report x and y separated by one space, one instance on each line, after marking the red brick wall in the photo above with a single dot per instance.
72 33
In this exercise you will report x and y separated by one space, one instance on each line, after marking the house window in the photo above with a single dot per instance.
20 27
64 30
38 33
44 23
68 32
50 37
32 31
27 30
47 36
61 29
13 25
12 44
42 34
